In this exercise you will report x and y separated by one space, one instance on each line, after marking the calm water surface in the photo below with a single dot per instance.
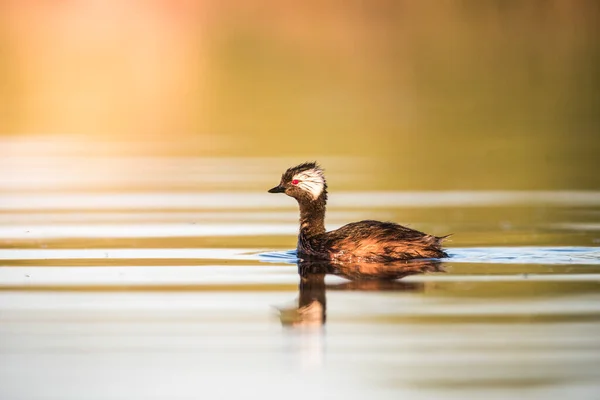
121 279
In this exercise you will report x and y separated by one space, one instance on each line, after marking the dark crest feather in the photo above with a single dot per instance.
287 175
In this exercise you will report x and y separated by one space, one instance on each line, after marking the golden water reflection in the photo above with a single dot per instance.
137 140
312 302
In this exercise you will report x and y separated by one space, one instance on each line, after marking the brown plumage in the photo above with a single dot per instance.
364 241
369 271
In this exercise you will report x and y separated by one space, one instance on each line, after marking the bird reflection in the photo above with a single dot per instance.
312 302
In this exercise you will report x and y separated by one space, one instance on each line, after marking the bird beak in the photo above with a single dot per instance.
277 189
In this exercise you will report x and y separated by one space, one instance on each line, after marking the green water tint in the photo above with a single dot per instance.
135 224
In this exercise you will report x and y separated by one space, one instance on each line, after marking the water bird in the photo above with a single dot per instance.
364 241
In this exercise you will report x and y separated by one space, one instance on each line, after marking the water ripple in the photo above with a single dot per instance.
494 255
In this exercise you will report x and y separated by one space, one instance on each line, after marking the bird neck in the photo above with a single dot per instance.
312 215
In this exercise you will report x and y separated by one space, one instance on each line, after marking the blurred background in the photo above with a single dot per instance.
138 139
416 94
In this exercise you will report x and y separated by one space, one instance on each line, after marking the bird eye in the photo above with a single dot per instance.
295 182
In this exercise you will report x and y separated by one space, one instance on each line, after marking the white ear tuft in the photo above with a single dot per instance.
311 180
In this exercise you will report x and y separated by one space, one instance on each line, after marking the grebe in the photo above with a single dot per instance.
364 241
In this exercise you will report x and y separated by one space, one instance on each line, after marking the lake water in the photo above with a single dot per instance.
174 277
